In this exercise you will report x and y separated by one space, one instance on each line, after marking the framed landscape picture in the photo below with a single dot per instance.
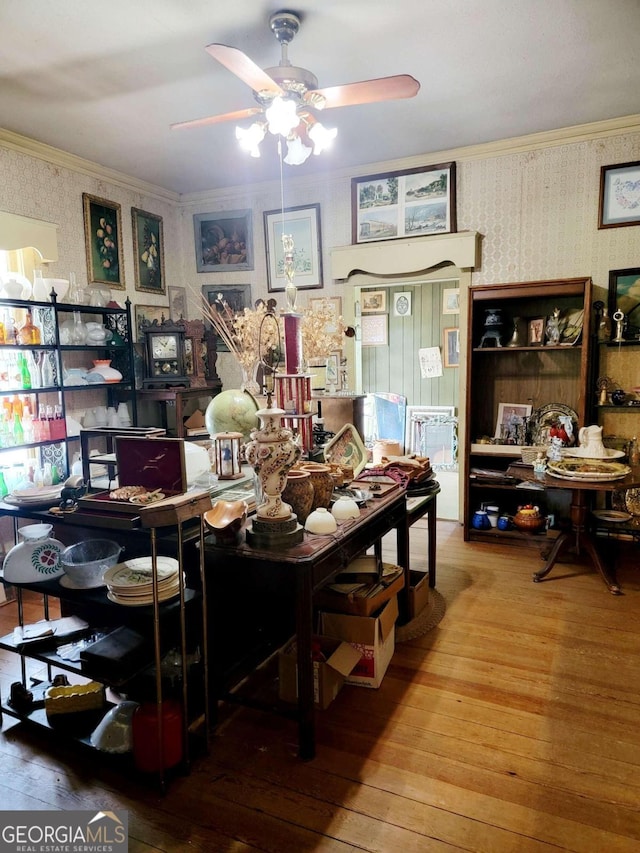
148 250
303 224
624 296
145 315
409 203
224 241
103 241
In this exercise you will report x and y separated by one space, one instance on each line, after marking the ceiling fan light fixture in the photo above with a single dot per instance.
321 136
282 116
297 152
250 138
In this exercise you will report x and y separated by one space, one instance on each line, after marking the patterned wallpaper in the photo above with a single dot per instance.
536 209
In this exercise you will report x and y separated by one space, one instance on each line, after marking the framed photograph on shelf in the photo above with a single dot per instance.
402 304
303 224
146 315
451 300
103 241
224 241
374 330
373 301
624 296
229 300
189 349
535 332
451 347
332 370
148 250
409 203
619 195
177 302
509 416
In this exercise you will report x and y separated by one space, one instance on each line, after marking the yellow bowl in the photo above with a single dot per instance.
226 517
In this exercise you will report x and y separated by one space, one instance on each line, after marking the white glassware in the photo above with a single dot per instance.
320 521
13 288
39 292
101 416
60 285
345 508
103 367
125 417
89 420
37 558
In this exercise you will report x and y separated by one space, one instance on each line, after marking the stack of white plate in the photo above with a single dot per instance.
34 496
131 583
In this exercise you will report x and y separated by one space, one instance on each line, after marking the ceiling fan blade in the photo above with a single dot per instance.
236 116
368 91
239 64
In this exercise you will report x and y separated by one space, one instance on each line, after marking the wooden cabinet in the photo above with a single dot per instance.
505 367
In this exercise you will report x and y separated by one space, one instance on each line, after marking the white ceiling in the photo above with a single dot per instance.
104 80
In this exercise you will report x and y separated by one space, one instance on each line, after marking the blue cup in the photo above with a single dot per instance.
480 520
504 522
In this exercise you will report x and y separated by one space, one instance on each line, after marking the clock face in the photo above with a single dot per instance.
164 346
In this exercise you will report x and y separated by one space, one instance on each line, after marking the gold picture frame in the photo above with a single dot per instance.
103 241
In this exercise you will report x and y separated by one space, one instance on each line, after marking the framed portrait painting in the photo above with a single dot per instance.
409 203
229 301
103 241
303 224
224 241
619 195
509 416
148 250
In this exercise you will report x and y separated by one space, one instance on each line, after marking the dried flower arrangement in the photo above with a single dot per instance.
241 334
322 331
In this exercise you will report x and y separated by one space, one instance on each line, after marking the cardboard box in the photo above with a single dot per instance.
361 602
373 636
328 675
418 593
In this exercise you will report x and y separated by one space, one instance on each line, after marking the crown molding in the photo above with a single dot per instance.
65 160
483 151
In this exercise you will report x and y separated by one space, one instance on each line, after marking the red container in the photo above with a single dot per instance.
146 747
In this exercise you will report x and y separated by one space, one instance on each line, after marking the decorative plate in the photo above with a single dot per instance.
611 515
137 572
545 417
588 469
632 501
346 448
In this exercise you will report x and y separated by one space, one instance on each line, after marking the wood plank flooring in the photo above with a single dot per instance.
511 727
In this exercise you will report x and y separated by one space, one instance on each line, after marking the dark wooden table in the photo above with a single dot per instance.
579 535
176 397
417 507
305 568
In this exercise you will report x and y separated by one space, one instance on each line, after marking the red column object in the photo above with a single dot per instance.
292 342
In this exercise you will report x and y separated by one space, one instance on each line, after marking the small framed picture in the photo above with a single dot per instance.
451 348
189 349
373 301
624 296
619 195
509 416
402 304
332 371
451 300
177 302
149 315
535 332
374 330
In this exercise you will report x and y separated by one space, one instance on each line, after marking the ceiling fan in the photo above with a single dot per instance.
288 96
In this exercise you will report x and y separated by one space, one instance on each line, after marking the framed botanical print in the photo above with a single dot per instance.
148 250
303 224
619 195
103 241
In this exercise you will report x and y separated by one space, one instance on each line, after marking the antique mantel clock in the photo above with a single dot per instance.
165 361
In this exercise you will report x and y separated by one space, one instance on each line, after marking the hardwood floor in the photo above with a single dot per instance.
514 725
